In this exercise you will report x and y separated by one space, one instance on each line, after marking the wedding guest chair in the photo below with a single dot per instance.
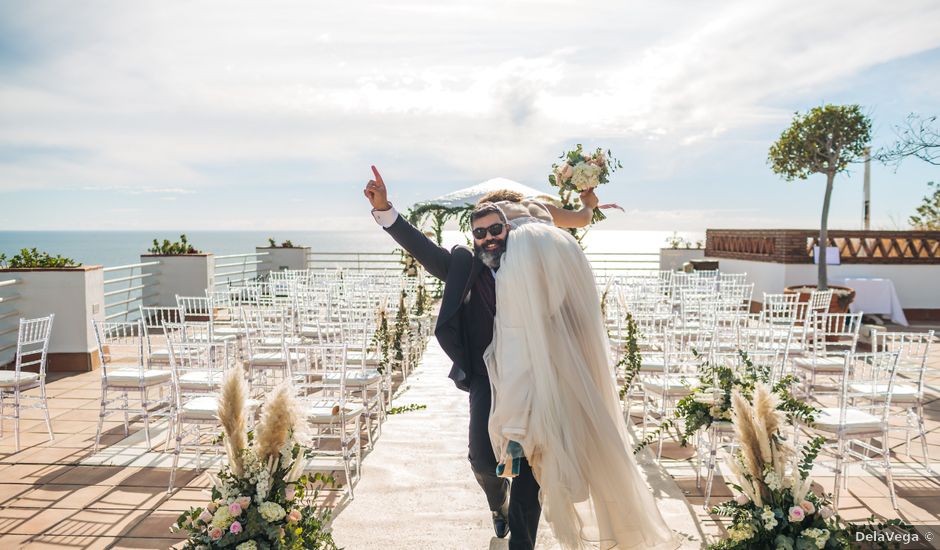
32 350
152 320
907 394
334 419
833 335
125 372
858 426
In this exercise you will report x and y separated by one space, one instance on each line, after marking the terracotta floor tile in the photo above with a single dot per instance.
68 497
138 543
94 475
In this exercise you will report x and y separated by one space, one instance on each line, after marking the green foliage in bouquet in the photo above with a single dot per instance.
579 171
166 248
775 508
260 498
32 258
407 408
711 400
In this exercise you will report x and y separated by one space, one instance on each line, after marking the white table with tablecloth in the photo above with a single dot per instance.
875 296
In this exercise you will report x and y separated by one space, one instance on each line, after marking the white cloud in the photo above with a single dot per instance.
156 93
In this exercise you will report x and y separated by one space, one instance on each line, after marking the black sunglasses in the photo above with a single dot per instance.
494 230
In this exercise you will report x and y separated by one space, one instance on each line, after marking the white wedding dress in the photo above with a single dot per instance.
554 392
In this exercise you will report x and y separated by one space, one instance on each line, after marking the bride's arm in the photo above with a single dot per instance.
575 218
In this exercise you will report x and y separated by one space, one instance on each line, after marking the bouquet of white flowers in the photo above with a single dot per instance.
258 499
775 508
580 171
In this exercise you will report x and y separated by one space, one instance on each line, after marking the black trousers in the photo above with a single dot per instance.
523 493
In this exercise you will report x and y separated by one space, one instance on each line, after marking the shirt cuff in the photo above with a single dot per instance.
385 218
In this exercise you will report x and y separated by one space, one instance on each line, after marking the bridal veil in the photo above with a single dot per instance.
554 392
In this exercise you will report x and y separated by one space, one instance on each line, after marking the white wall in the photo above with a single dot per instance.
671 259
280 258
76 296
184 274
918 286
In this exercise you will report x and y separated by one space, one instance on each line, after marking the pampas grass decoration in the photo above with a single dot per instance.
232 417
277 421
747 435
765 423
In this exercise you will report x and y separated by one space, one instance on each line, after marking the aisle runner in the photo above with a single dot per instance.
417 490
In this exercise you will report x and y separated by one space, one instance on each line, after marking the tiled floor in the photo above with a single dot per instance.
50 499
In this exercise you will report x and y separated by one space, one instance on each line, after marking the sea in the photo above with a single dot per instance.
115 248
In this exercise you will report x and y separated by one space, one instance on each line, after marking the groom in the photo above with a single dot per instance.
464 330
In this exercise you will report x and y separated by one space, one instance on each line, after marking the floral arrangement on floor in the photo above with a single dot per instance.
775 508
259 498
382 337
580 171
711 400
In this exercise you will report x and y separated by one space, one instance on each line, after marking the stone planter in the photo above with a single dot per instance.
280 258
182 274
76 296
672 259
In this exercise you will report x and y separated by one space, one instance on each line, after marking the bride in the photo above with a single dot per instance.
554 394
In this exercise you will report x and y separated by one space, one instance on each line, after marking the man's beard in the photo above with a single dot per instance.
490 258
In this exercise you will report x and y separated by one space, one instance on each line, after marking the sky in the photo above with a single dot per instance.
267 115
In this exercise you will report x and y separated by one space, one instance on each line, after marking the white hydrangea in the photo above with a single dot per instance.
586 176
818 536
222 518
767 516
271 511
249 545
773 481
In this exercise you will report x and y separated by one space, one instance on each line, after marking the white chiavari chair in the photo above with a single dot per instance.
32 351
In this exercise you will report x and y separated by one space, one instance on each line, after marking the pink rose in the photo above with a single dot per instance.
215 533
244 502
235 509
796 514
294 516
205 516
290 492
808 507
742 499
236 528
826 512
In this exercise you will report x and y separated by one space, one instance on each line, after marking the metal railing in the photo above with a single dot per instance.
242 267
604 263
129 296
364 261
9 320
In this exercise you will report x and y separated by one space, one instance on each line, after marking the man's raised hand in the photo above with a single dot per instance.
376 192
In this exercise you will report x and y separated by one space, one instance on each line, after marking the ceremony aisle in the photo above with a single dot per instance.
417 490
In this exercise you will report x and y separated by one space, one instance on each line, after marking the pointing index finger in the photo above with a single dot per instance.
378 177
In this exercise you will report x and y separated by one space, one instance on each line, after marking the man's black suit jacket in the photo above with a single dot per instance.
458 268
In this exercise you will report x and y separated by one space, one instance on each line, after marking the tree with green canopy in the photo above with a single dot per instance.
824 140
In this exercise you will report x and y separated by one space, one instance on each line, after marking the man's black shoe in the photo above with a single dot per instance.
500 524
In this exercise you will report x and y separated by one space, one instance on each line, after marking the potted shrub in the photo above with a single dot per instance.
822 141
183 270
679 251
282 256
73 292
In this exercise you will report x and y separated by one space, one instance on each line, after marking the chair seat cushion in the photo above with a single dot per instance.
856 421
354 378
671 385
274 358
905 393
207 408
328 411
200 380
820 364
9 379
132 377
